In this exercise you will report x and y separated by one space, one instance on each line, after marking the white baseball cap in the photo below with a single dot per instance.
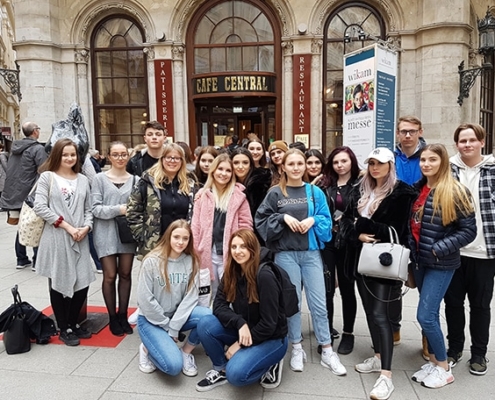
382 154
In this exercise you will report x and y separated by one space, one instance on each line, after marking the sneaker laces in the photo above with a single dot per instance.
269 375
212 376
189 361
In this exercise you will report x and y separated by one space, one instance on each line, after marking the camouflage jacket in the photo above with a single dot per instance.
144 213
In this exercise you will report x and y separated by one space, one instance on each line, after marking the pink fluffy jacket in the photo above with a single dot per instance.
238 217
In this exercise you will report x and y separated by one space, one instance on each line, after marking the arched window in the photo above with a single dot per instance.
347 22
234 36
120 84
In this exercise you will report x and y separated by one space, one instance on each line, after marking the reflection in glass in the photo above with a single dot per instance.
201 61
218 63
267 58
234 58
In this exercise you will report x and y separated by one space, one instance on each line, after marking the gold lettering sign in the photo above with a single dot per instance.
234 83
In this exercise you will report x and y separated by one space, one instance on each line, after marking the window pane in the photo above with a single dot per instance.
137 90
334 90
118 26
201 61
136 62
267 58
103 38
335 50
105 92
118 41
203 31
234 58
336 28
245 30
221 32
119 63
134 37
250 58
121 91
263 28
103 67
220 12
218 59
138 116
246 10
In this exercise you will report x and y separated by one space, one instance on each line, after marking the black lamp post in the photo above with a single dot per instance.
486 29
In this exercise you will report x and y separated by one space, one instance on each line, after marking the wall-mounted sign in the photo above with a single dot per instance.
301 102
233 83
164 96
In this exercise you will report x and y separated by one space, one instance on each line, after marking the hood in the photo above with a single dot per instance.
487 160
19 146
422 143
265 255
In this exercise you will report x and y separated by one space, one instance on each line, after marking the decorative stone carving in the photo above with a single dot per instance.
316 46
116 7
178 52
185 16
283 18
287 48
81 56
150 52
288 64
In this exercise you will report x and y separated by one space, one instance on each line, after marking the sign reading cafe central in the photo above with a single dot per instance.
234 83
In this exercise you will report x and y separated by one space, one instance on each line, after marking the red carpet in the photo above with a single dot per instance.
103 338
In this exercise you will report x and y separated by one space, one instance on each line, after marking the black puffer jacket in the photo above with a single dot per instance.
445 241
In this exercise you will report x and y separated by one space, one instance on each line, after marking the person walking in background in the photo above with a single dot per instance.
371 213
442 222
110 192
248 317
63 201
26 157
294 221
476 274
168 291
154 137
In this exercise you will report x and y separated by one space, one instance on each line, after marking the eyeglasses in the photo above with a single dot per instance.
410 132
172 159
117 156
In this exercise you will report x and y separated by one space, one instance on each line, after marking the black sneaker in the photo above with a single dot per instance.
81 333
272 378
335 334
346 343
212 380
69 338
453 358
477 365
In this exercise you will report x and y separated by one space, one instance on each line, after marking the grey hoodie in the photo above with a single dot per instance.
26 157
169 310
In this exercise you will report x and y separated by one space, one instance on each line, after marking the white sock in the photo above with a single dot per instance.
327 351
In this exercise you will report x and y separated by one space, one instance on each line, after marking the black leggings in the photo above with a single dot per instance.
67 309
377 306
121 265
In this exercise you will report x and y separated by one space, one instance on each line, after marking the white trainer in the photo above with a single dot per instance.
332 362
382 388
133 317
145 364
438 378
189 367
372 364
420 376
297 359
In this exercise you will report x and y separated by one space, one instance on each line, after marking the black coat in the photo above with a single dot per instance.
394 210
445 241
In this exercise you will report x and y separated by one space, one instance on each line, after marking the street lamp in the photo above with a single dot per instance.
11 78
486 29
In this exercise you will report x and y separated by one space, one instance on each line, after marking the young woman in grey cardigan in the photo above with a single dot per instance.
63 201
109 194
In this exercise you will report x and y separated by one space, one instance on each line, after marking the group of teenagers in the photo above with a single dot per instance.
206 232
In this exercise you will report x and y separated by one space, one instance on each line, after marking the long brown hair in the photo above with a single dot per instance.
163 250
233 269
54 160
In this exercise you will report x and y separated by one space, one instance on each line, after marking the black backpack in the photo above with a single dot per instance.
289 299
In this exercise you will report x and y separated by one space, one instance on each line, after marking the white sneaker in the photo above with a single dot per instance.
332 362
133 317
382 388
420 376
145 364
297 360
189 367
372 364
438 378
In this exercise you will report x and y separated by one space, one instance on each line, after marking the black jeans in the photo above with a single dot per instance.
21 253
474 278
67 309
377 305
334 261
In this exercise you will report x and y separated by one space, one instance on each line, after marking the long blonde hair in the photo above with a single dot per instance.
449 197
163 251
222 197
369 186
283 176
159 175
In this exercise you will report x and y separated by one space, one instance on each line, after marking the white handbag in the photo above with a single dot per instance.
385 260
31 226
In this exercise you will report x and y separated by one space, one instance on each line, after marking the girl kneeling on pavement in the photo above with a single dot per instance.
248 317
168 293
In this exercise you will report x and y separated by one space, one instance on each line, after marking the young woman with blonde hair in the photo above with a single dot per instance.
168 292
442 222
220 208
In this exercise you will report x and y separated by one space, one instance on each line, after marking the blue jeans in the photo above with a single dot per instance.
162 350
249 363
305 268
21 253
432 285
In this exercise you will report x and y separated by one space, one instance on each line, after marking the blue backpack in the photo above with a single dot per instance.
288 298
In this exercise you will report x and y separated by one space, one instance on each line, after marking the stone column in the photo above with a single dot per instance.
150 56
180 98
287 92
316 95
82 96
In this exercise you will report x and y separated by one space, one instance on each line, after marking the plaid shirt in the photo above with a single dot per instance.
487 203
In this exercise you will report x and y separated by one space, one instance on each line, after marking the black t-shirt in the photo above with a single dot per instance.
148 161
173 205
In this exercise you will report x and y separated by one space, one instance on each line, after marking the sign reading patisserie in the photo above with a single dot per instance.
164 95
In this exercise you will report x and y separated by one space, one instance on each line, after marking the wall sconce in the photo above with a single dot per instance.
11 78
486 29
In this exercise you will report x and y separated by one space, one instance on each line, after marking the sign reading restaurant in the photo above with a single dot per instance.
233 83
